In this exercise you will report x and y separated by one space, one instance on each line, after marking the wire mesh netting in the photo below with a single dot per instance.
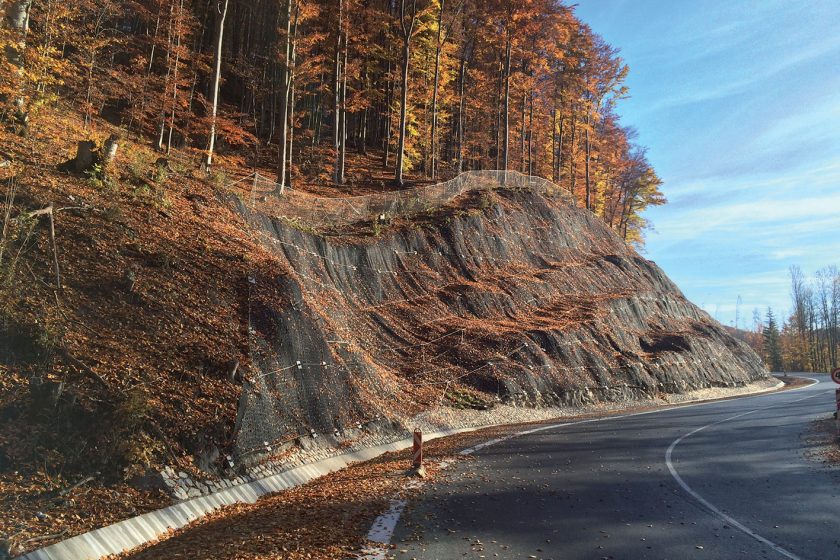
347 329
300 382
319 212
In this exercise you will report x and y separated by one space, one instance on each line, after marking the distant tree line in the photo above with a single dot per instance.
425 88
809 340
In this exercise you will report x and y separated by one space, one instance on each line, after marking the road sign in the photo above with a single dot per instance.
835 375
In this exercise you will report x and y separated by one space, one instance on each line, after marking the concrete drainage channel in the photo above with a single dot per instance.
136 531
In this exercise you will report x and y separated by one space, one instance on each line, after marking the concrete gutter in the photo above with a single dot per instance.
136 531
130 533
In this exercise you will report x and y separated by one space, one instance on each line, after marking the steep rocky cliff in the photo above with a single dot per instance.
506 295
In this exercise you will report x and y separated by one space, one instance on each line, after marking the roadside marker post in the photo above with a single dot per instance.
417 455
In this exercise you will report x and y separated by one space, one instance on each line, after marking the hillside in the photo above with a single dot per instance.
197 319
238 235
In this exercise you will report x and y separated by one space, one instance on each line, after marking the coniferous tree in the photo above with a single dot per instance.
772 343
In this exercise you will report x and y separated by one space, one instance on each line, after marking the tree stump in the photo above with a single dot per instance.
109 150
85 157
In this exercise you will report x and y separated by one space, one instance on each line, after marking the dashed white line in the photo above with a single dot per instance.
705 503
384 526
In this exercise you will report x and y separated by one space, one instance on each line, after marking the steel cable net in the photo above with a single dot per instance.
357 320
325 212
298 383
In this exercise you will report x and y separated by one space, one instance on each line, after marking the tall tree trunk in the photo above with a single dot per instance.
179 22
499 110
554 143
343 137
438 49
461 78
560 151
389 100
16 18
291 104
506 150
338 112
291 132
283 136
530 136
168 76
407 29
522 135
221 8
572 177
403 111
588 157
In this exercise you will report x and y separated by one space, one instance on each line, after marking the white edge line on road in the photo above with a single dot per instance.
384 526
705 503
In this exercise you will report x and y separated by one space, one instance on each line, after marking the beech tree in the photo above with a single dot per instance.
312 88
407 22
221 10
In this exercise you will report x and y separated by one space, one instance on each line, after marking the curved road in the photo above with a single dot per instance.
723 480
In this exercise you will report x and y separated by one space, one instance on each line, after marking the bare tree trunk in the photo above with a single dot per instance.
572 177
16 18
222 8
507 104
343 138
522 136
389 100
403 110
407 29
462 78
438 49
560 151
554 144
175 77
499 111
283 136
166 79
292 76
588 158
530 136
291 132
339 113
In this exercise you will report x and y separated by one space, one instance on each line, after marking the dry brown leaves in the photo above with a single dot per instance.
325 519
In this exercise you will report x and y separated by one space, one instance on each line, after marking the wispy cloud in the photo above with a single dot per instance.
737 101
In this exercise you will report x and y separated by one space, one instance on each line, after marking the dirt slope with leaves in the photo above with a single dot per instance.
182 322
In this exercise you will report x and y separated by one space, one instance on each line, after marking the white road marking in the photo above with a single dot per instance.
382 530
384 526
705 503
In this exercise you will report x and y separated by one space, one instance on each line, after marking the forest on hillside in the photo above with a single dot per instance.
334 92
809 338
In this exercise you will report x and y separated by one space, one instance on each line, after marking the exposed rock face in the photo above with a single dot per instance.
524 298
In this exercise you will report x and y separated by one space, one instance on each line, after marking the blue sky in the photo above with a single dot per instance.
738 102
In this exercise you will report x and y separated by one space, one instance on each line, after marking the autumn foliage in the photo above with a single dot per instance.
305 86
123 337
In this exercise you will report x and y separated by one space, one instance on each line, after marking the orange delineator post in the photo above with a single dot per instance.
417 456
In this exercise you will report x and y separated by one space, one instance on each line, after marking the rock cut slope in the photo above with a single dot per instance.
506 295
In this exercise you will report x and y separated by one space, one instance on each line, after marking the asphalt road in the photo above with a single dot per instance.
741 487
